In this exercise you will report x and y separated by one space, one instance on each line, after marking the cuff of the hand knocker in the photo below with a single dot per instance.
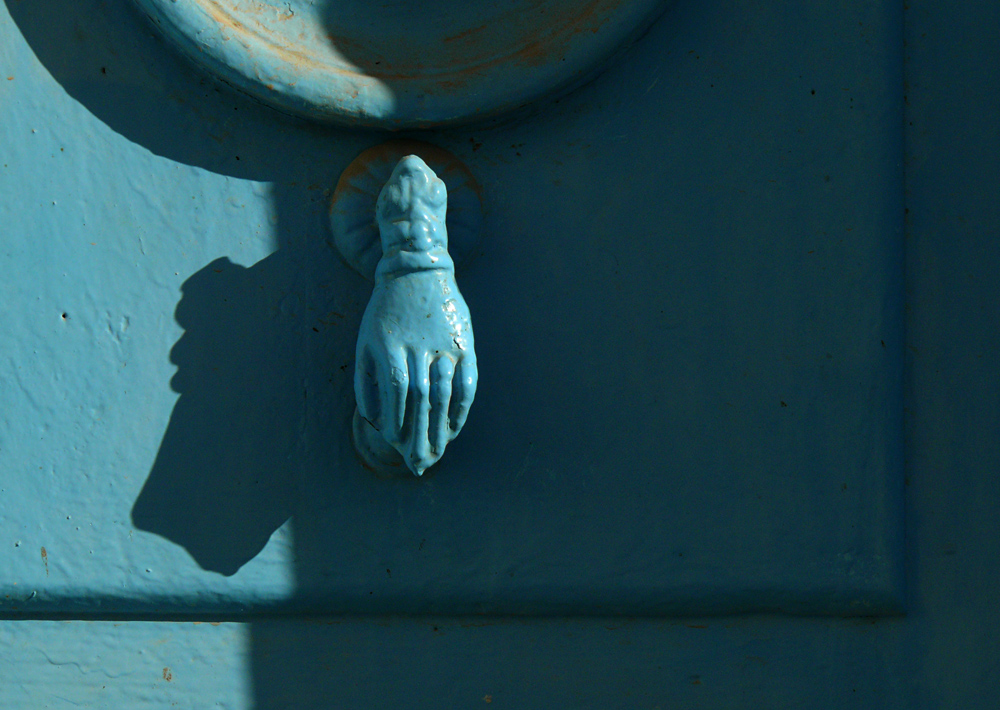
405 262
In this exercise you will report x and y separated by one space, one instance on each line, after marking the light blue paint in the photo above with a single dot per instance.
415 370
685 403
147 129
57 665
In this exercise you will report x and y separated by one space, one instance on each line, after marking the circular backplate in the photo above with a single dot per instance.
352 209
401 63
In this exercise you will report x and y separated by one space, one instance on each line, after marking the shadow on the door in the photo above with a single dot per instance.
262 346
220 485
260 433
266 346
265 364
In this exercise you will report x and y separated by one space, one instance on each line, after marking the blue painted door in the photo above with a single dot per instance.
689 307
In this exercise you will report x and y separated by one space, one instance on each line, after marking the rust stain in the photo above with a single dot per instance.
452 84
549 42
464 35
45 559
344 42
543 46
446 165
487 698
263 35
167 675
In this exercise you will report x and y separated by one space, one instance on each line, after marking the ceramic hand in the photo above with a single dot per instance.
415 374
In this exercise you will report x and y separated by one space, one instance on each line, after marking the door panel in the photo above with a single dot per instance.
688 302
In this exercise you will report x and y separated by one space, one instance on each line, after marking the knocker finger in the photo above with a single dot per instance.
367 387
394 393
419 448
464 391
439 433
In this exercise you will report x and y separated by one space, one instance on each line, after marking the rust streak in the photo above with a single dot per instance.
464 35
535 50
261 34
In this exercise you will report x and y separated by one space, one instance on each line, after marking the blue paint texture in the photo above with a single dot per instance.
707 232
688 305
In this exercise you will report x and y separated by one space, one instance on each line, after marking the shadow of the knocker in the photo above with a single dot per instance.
221 483
264 377
262 424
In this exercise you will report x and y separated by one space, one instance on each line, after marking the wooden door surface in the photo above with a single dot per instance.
715 459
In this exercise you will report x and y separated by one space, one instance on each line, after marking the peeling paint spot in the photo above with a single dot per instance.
45 560
167 675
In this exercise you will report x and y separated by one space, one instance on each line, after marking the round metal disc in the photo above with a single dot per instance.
401 63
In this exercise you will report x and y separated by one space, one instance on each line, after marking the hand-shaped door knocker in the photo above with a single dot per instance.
415 370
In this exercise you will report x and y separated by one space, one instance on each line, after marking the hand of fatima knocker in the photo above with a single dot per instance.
415 371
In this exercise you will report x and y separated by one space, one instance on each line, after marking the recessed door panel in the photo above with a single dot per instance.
687 301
